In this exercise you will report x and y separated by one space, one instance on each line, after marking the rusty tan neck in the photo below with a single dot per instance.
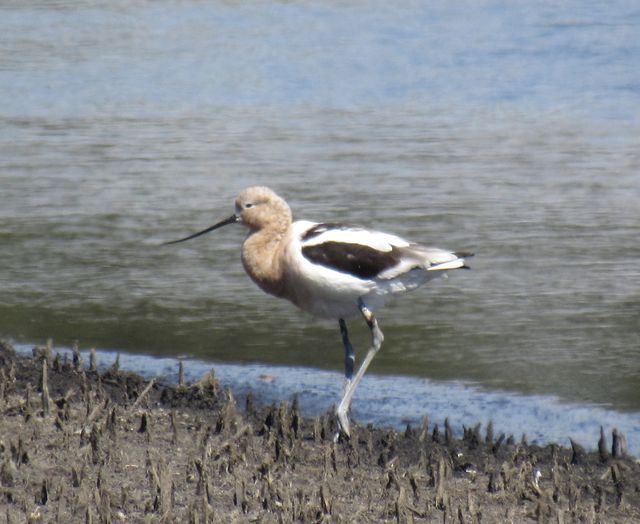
262 250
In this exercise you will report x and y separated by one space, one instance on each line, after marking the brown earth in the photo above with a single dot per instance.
111 447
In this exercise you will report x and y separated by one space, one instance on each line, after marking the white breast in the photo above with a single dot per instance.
319 290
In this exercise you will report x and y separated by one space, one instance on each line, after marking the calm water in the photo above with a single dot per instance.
510 129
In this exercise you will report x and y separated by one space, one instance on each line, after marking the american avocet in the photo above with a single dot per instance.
330 270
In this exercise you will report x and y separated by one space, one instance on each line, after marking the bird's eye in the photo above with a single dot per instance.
248 205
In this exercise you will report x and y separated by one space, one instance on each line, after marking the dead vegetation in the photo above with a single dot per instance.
77 445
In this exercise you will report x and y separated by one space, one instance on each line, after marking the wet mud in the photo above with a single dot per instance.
82 445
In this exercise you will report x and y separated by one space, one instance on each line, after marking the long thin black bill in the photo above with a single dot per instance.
231 220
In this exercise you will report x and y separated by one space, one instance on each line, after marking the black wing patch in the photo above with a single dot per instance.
318 229
356 259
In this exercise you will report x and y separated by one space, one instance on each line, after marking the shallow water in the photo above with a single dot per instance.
393 401
511 130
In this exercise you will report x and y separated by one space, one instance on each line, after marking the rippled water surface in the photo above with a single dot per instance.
509 129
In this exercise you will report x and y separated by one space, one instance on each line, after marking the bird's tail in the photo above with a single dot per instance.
456 261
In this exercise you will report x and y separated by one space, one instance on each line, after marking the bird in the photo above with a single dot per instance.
331 270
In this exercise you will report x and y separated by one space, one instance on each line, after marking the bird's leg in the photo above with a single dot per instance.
376 341
349 355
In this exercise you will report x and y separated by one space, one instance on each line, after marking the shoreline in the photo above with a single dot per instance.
390 400
112 446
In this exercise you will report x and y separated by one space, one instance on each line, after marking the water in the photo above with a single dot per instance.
391 400
509 129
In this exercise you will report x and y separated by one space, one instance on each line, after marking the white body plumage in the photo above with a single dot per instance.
331 292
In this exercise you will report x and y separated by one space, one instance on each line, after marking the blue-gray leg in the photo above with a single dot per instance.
376 341
349 355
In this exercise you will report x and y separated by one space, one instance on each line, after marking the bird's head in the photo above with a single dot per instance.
256 207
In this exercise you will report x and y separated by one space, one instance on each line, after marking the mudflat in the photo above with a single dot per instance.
84 445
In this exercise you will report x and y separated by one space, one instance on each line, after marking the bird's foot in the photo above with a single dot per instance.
343 423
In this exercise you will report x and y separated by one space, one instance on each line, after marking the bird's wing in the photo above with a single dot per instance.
360 252
370 254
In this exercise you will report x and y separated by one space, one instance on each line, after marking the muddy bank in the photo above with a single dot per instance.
79 445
